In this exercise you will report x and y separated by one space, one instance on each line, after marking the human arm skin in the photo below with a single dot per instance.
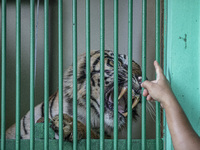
182 133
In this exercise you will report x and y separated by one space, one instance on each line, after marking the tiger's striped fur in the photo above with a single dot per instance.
81 94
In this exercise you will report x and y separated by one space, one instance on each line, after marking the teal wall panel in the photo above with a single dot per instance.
81 144
183 65
53 144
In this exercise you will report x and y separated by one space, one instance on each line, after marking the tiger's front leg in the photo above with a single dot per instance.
68 128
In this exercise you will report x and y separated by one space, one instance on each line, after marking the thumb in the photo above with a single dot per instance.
146 84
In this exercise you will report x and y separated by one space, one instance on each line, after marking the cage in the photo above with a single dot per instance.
61 31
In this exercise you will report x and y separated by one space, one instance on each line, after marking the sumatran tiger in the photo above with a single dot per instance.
94 99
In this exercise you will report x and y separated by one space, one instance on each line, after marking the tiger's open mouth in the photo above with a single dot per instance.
122 99
135 99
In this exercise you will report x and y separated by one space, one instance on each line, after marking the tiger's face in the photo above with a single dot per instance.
109 81
108 86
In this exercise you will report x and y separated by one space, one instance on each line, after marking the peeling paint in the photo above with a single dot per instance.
184 39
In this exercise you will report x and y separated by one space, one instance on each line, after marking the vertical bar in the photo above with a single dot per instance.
165 37
74 74
102 40
144 12
46 75
130 24
115 74
87 32
3 74
32 68
158 60
18 71
60 70
168 63
165 66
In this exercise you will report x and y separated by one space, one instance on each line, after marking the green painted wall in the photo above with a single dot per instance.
183 65
53 144
95 143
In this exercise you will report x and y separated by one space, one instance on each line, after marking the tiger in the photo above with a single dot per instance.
94 94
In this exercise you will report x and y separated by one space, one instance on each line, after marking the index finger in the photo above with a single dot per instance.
159 72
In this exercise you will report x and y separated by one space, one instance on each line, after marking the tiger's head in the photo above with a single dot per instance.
108 87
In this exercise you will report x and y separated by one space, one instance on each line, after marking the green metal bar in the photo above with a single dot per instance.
3 74
144 15
60 70
74 74
87 32
165 66
32 68
158 134
165 37
130 28
167 63
115 74
18 71
169 4
102 47
46 75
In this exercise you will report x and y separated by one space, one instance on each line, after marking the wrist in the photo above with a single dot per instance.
167 100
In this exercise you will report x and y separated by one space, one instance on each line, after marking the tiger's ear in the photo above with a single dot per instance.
136 70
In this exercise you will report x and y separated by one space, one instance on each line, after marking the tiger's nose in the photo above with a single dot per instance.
140 79
140 82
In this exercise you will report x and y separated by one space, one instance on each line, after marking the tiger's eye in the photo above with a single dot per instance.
111 62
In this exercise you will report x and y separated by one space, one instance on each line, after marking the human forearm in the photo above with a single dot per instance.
183 136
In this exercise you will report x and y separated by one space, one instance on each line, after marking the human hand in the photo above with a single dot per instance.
158 89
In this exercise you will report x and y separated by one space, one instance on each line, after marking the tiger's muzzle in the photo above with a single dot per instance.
123 97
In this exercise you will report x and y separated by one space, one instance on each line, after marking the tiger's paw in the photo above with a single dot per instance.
68 128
